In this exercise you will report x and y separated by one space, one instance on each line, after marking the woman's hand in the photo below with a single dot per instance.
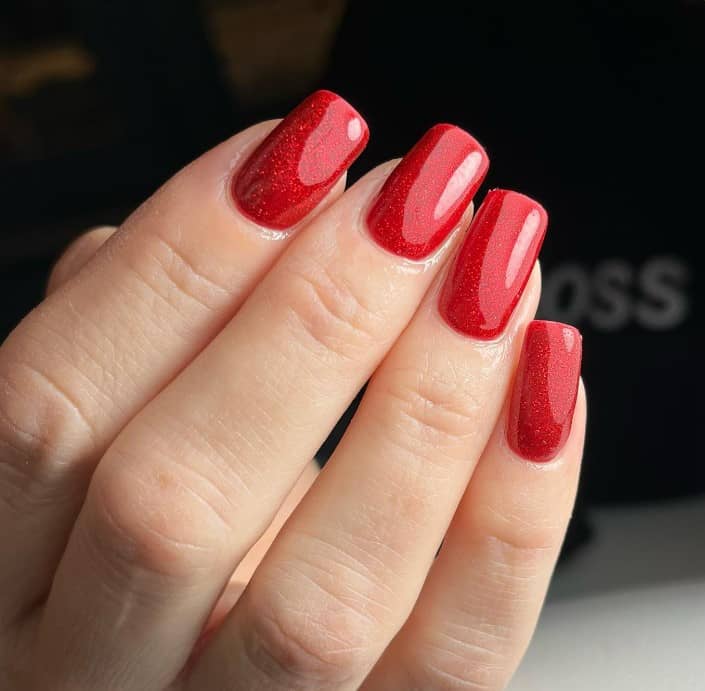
160 404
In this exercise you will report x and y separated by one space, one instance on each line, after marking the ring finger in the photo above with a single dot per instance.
481 600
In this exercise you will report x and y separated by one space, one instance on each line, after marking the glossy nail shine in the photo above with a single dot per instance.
545 390
424 197
300 161
493 264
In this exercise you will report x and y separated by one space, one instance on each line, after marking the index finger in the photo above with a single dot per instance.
83 363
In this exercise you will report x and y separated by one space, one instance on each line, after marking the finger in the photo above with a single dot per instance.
342 576
195 478
479 606
239 580
252 559
107 341
77 255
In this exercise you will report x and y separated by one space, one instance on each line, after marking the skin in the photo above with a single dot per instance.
158 414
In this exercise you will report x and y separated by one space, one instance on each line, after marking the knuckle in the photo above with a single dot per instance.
282 648
469 667
518 536
174 277
329 313
475 656
481 645
46 436
524 546
284 651
428 411
150 527
329 639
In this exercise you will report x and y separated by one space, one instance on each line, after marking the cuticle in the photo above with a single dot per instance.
226 183
404 263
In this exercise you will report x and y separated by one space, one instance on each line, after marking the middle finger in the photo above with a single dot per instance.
194 479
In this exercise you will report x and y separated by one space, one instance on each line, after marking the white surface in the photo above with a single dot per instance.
651 544
627 612
644 640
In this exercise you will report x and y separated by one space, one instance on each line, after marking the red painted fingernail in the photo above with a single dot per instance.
493 264
425 196
299 162
545 389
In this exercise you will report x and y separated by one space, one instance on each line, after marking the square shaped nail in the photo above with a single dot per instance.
545 390
425 196
300 161
493 264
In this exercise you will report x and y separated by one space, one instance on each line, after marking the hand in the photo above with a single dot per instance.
159 405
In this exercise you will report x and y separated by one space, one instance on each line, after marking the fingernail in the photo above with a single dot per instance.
425 196
493 264
300 161
545 389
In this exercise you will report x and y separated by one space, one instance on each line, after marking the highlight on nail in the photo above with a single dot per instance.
545 390
425 196
493 264
300 161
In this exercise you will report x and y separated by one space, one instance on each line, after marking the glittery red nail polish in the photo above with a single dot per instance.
493 264
299 162
546 386
425 196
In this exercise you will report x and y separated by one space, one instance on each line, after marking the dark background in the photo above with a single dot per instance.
594 108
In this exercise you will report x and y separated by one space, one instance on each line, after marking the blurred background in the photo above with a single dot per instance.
594 108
